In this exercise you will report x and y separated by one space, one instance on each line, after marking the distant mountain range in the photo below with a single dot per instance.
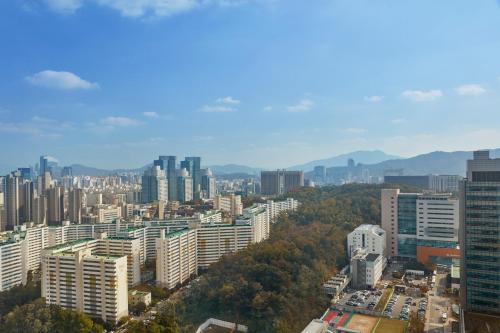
362 156
376 162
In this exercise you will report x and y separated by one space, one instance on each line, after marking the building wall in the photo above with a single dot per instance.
389 218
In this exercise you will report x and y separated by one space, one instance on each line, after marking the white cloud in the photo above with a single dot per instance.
422 96
64 6
203 138
151 114
141 8
398 121
303 106
267 108
228 100
374 99
60 80
470 90
119 121
354 130
217 109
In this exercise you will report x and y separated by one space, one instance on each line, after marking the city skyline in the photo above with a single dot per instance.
263 83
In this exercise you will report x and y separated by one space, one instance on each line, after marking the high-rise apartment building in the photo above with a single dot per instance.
11 268
184 186
208 186
154 185
12 199
480 235
75 205
176 257
55 205
230 203
195 173
280 182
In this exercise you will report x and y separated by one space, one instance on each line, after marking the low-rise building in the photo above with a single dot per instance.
369 237
366 269
137 296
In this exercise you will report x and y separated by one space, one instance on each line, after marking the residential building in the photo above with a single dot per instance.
108 213
75 205
12 199
480 237
280 182
196 175
78 278
55 205
369 237
208 187
176 257
184 186
230 203
137 296
274 208
11 268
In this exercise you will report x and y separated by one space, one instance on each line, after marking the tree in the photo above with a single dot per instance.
416 323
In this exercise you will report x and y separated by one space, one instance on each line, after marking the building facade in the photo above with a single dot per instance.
368 237
280 181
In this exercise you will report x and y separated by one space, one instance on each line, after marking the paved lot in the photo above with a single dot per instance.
371 296
438 303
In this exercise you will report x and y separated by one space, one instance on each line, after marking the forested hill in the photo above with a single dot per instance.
275 286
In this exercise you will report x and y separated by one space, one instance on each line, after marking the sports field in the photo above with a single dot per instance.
362 323
387 325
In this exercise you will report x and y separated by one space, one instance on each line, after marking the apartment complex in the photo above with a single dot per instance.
77 277
274 208
229 203
176 257
480 237
280 181
423 227
11 266
369 237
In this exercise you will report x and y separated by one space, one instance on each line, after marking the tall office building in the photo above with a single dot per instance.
43 166
154 185
184 186
168 165
26 198
480 236
55 205
195 172
26 173
280 181
208 186
75 205
40 209
67 171
12 200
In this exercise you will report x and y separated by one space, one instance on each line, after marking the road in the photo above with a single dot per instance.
438 303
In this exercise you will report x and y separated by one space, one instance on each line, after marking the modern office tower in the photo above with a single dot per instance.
168 165
176 257
40 210
55 205
26 173
366 269
75 205
11 268
196 175
43 166
75 277
319 173
184 186
12 199
67 171
108 213
480 236
208 186
229 203
423 227
26 197
368 237
154 185
280 182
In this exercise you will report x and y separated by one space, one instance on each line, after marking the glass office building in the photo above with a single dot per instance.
407 225
480 236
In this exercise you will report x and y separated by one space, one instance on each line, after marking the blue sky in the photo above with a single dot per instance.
270 83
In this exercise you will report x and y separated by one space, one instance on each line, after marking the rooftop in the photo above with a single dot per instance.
372 257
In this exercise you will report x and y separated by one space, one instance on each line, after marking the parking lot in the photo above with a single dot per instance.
400 306
362 299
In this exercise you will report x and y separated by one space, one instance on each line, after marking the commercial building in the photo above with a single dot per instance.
154 185
168 165
418 226
280 181
230 203
366 269
208 186
78 278
176 257
55 205
435 183
369 237
75 205
184 186
480 236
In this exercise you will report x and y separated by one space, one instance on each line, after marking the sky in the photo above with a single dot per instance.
265 83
